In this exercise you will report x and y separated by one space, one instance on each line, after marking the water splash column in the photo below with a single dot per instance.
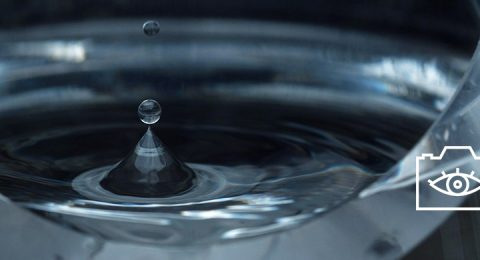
150 170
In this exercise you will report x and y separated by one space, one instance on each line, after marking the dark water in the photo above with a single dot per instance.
280 124
261 167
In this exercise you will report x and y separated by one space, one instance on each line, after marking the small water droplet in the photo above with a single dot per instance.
149 111
151 28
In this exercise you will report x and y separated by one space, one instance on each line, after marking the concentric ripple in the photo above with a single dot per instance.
254 176
284 182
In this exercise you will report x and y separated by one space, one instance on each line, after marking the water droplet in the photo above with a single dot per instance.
150 170
151 28
149 111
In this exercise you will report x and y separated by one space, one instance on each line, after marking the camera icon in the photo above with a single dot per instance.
443 189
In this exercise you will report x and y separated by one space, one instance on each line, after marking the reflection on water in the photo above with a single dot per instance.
279 127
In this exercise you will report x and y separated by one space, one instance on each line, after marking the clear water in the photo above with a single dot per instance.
256 173
278 130
149 111
151 28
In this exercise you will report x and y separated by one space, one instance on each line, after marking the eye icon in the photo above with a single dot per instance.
456 183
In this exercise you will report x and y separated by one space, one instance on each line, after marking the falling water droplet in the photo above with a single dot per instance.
150 170
151 28
149 111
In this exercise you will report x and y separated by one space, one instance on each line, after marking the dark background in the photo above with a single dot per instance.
451 22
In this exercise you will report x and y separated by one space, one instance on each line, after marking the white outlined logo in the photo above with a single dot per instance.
454 184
